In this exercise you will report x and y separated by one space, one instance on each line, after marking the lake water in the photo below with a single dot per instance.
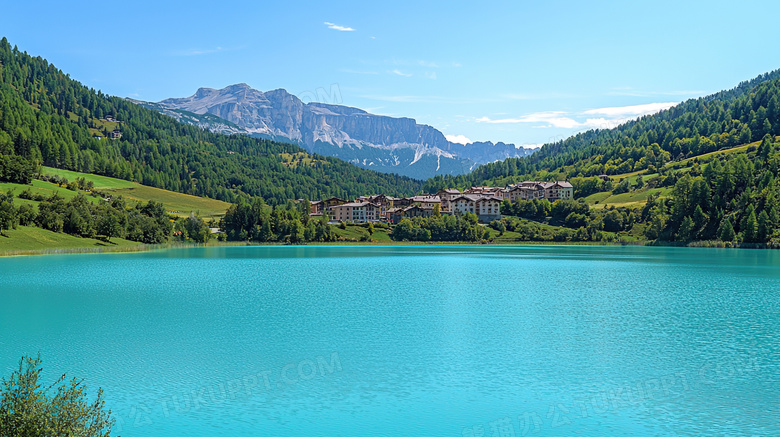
409 341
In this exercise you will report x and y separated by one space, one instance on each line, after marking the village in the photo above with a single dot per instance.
484 202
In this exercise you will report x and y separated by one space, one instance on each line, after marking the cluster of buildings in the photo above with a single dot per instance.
485 202
115 134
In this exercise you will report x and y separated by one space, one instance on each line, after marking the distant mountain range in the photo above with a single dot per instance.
381 143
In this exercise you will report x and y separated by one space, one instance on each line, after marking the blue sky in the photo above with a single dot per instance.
526 72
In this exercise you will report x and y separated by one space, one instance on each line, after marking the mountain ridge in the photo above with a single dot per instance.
386 144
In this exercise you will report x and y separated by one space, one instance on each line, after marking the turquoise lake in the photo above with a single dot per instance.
409 341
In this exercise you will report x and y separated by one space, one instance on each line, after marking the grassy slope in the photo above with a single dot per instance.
637 198
179 204
356 232
38 187
101 182
28 238
24 239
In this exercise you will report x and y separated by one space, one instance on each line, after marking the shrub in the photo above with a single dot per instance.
28 409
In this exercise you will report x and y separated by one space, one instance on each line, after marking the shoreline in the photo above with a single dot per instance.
154 247
180 245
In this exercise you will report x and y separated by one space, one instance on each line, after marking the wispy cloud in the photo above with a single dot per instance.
610 117
549 118
459 139
635 110
416 63
428 64
400 73
631 92
339 28
430 75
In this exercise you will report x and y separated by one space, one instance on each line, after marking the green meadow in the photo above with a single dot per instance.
176 203
27 239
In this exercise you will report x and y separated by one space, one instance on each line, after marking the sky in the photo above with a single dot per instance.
522 72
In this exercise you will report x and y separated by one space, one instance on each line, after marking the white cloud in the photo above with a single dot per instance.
430 75
401 73
460 139
610 117
339 28
604 123
631 111
428 64
628 91
529 146
551 118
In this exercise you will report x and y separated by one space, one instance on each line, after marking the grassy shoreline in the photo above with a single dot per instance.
81 250
177 245
92 246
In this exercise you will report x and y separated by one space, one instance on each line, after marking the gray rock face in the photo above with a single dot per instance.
386 144
205 121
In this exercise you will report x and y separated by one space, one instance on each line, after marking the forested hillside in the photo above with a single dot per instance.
695 127
691 194
47 118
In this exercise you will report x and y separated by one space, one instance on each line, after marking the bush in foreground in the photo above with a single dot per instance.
29 409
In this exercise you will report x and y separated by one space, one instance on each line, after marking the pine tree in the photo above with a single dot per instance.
766 128
687 230
765 147
265 231
763 227
699 222
7 212
727 231
750 228
296 231
310 231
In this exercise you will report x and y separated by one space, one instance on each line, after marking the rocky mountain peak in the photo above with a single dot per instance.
387 144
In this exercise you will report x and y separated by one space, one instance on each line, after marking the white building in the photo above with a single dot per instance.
356 212
487 208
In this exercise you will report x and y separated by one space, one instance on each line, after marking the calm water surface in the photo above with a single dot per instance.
409 341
